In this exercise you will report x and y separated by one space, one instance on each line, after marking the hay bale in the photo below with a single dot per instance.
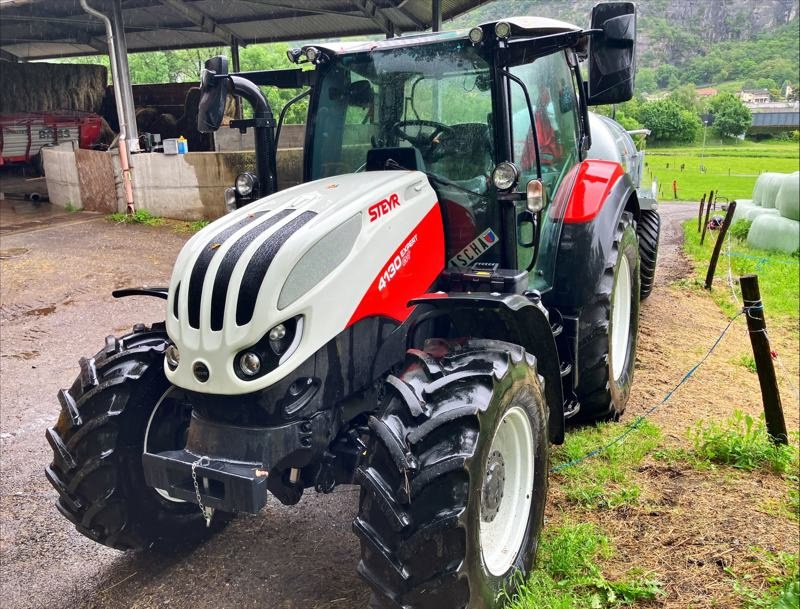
774 233
49 87
766 189
755 212
787 200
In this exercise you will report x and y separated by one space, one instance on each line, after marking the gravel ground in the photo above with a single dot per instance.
58 271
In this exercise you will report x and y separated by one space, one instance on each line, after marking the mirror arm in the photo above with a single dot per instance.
510 76
282 116
266 166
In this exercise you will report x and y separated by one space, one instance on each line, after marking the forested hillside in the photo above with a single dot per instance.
704 42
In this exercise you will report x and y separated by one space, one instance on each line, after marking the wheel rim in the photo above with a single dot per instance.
621 319
166 411
507 491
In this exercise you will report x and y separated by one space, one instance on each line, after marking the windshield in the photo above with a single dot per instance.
435 98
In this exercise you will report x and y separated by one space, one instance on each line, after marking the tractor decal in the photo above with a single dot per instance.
594 181
475 248
409 272
383 207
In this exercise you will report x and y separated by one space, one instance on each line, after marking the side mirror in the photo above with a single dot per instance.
612 53
213 92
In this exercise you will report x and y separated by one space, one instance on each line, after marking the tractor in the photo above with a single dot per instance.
454 279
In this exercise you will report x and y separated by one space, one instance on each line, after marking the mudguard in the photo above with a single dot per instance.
601 192
509 317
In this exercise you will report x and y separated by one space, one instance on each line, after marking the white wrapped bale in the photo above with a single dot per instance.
742 208
773 232
766 189
788 198
755 212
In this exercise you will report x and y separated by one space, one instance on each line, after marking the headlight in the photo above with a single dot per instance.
476 35
312 53
245 184
250 363
271 351
505 176
502 29
277 333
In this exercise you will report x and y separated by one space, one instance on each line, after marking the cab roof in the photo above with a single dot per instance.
528 27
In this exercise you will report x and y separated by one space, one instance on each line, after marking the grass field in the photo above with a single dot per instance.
731 170
778 273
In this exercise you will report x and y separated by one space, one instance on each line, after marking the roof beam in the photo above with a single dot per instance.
294 10
368 8
206 22
6 56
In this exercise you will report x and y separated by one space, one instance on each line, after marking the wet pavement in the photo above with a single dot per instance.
57 271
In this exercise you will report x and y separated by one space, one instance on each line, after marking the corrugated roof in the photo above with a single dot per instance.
777 119
41 29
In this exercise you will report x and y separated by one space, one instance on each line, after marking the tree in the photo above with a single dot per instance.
731 117
646 80
686 97
668 122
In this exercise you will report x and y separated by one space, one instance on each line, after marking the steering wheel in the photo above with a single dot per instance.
427 138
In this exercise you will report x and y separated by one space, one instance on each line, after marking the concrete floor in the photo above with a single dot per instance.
57 271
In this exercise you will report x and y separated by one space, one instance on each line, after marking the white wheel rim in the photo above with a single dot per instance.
160 491
504 519
621 319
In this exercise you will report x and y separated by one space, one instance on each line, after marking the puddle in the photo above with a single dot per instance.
13 252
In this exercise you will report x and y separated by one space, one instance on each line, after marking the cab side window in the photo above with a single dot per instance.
555 111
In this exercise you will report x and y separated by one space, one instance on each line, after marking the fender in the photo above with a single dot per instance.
601 192
509 317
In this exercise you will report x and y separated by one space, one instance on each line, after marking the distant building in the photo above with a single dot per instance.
754 96
777 118
707 92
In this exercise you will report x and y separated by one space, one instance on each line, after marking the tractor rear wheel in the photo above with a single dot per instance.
648 229
120 402
608 329
453 492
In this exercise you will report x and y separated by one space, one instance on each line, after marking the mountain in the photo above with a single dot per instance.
681 41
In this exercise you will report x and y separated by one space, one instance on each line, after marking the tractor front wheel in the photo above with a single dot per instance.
121 403
453 493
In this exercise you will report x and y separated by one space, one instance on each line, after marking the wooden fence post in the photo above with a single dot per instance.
700 212
708 213
712 265
757 327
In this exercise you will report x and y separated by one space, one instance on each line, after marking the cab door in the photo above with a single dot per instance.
556 144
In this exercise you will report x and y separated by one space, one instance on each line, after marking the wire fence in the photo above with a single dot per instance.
641 418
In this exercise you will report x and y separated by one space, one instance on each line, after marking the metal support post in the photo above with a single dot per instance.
122 80
236 68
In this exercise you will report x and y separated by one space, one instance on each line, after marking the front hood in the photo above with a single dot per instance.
330 238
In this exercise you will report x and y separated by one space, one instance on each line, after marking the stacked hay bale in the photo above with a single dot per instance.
50 87
776 226
763 201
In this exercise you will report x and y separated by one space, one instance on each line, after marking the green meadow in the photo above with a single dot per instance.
730 170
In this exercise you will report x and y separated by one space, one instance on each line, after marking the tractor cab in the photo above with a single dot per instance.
495 116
